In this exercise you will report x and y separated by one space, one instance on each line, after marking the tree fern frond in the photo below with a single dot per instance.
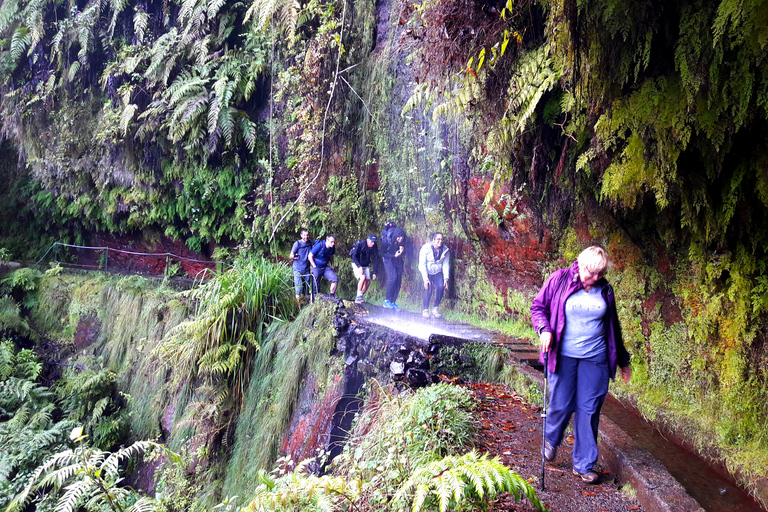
117 7
126 117
214 6
20 41
448 479
73 69
75 494
140 23
9 12
144 504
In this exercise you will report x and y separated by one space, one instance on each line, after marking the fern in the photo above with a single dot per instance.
454 481
535 75
297 489
140 23
88 477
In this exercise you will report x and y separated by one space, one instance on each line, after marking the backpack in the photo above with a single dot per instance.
317 243
387 232
353 250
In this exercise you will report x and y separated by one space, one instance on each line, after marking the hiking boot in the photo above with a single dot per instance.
359 299
436 313
425 313
333 295
395 306
590 477
388 304
550 452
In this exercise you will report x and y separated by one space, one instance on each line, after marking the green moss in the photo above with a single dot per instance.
291 352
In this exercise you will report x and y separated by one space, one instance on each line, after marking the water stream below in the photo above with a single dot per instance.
714 491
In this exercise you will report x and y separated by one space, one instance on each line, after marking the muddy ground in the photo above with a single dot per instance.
510 428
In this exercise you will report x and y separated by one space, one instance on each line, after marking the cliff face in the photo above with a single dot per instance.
522 132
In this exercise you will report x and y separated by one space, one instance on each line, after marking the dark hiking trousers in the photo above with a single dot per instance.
394 268
436 283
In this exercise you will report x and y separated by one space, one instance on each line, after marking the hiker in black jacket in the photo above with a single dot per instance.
365 260
392 250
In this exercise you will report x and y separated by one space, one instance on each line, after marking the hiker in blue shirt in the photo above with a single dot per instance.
321 259
300 256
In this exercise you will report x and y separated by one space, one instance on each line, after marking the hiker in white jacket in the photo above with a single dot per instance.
434 266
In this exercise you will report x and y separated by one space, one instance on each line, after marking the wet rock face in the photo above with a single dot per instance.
515 244
324 412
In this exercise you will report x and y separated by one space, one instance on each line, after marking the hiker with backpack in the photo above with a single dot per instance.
300 256
321 259
392 252
365 260
434 267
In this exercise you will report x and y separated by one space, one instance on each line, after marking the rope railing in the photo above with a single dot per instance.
310 279
107 250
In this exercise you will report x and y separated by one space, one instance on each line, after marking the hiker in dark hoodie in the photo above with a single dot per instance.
365 261
392 252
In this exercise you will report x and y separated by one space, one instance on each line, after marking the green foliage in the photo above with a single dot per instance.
28 433
233 310
401 455
305 491
290 352
10 317
87 478
24 279
90 398
464 483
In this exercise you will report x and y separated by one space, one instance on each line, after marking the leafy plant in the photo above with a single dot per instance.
89 477
305 491
464 483
401 454
28 433
90 398
24 279
233 310
10 317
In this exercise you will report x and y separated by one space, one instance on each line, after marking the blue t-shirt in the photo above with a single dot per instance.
301 249
322 254
584 334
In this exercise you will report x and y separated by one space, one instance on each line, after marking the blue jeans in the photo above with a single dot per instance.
578 386
300 279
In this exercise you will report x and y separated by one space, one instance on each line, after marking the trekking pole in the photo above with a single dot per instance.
312 287
544 416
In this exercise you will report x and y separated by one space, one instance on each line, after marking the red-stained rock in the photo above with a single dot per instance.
312 421
516 246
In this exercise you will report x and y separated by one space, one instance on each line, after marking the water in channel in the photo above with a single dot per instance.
714 491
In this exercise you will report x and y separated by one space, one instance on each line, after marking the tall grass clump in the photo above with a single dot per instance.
403 454
291 354
232 312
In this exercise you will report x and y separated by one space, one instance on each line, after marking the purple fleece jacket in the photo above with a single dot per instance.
548 314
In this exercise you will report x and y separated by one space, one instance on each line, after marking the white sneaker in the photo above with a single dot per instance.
425 313
436 313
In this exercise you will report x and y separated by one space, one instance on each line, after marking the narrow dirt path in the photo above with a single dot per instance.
510 428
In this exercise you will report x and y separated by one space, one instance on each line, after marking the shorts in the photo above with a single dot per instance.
326 272
359 271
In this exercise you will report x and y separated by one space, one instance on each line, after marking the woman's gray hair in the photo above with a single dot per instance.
594 259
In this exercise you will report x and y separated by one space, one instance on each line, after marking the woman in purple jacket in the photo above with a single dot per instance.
575 316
